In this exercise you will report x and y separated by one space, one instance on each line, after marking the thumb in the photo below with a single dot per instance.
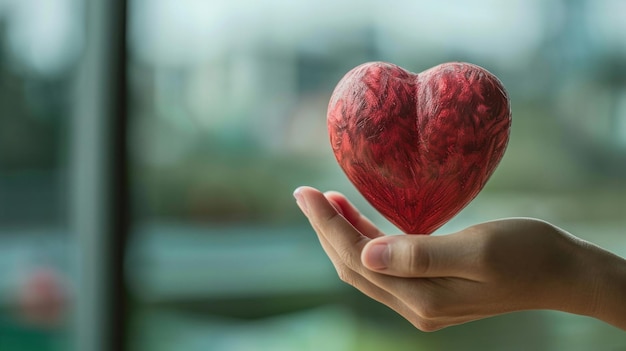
420 256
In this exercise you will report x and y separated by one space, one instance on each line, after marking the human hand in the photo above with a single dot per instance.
485 270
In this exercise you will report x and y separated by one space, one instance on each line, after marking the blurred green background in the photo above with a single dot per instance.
227 108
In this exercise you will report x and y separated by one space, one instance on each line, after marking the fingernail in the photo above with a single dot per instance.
301 202
377 257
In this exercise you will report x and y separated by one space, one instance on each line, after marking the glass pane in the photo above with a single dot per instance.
228 116
40 44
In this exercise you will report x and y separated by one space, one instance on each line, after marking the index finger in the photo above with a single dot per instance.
347 241
359 221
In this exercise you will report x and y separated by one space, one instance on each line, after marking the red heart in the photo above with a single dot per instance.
419 147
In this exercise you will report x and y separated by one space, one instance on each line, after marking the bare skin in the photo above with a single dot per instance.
485 270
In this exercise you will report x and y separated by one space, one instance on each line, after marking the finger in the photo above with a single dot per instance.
380 295
421 316
345 239
421 256
353 278
335 233
343 243
373 291
350 213
398 294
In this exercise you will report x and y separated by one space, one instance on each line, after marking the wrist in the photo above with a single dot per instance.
611 291
602 284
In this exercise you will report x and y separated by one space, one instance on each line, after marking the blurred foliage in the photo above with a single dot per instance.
33 123
240 188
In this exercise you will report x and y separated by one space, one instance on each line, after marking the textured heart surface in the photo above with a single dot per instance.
419 147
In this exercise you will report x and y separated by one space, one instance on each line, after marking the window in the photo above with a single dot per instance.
40 44
228 105
148 154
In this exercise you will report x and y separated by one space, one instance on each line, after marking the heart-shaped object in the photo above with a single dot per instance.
419 147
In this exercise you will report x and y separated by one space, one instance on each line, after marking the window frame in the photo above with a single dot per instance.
99 208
